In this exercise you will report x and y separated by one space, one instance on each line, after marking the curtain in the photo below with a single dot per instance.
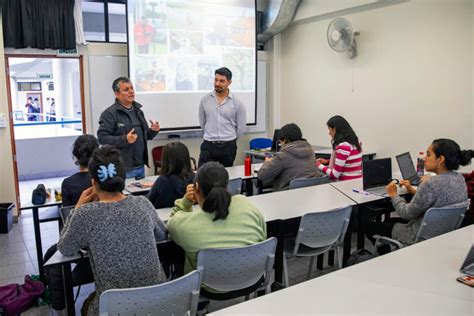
80 39
39 24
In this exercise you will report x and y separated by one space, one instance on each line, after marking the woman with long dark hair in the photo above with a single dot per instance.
443 157
72 187
220 221
346 160
175 174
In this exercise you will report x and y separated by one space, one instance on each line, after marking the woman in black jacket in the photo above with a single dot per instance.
175 174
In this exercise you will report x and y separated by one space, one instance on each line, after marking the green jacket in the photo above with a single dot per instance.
194 230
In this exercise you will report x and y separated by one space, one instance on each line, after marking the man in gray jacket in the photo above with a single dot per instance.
295 160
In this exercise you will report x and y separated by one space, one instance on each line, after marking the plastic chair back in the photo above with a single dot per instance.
235 186
323 229
441 220
232 269
304 182
177 297
260 143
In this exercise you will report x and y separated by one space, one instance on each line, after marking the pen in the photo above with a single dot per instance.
360 191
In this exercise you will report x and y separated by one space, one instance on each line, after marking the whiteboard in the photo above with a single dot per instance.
104 70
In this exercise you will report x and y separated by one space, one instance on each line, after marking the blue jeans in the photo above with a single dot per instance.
136 172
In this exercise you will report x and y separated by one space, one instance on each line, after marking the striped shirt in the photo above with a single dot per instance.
347 163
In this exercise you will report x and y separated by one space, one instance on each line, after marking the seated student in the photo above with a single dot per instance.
175 174
120 232
346 159
73 186
221 221
446 188
294 160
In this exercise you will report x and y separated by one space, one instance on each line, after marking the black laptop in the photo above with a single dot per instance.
276 141
376 174
407 168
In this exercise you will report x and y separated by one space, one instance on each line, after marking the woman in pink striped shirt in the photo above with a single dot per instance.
346 159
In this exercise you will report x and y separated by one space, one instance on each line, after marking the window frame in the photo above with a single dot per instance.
105 3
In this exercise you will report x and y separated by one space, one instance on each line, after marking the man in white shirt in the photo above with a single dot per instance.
223 119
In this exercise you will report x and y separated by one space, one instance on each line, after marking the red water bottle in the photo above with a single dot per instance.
247 166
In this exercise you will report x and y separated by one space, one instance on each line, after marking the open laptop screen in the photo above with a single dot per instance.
376 173
276 140
406 166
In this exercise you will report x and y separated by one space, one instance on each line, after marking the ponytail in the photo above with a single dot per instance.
217 201
465 157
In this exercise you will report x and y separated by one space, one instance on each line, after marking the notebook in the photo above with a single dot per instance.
407 168
376 174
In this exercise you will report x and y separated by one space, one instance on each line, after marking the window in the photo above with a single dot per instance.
105 20
29 86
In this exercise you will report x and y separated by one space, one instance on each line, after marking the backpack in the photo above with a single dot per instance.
359 256
39 195
15 298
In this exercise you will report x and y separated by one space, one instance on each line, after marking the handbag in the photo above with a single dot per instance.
39 195
15 298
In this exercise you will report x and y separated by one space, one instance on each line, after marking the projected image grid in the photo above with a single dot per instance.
179 44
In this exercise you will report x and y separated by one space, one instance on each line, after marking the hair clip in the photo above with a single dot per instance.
108 172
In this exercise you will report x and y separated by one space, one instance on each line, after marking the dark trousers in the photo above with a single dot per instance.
222 152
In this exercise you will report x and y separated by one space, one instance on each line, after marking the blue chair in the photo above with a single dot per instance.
260 143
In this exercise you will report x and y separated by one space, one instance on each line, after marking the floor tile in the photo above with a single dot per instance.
15 257
17 269
10 247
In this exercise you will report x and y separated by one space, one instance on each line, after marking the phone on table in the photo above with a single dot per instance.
468 280
139 177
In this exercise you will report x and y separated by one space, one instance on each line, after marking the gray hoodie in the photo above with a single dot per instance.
295 160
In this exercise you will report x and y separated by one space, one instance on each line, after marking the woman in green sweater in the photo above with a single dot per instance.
220 221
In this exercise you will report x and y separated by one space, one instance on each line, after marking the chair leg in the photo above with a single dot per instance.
286 282
338 252
311 262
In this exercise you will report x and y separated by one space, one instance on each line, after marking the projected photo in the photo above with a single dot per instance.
151 74
240 61
181 74
230 32
176 45
185 15
205 75
186 43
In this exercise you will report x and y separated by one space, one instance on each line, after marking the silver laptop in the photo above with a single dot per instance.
407 168
65 212
376 174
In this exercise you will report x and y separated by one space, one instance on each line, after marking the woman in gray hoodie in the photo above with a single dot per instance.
295 160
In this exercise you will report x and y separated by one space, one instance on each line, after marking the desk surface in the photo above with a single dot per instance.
234 172
50 202
420 279
297 202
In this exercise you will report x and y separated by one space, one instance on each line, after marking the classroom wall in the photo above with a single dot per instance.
7 188
412 81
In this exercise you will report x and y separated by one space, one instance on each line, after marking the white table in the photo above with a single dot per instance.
420 279
234 172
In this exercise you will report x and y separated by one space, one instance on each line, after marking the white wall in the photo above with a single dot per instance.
412 81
